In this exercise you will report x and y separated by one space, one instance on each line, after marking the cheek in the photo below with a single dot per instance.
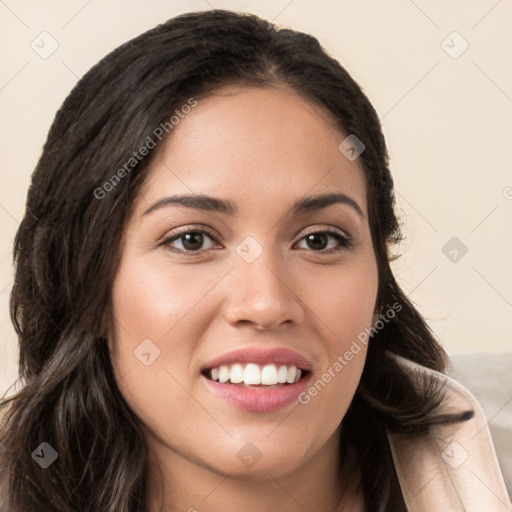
148 300
344 303
345 309
155 300
154 337
353 309
161 313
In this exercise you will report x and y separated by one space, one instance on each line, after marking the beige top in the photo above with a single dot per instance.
455 467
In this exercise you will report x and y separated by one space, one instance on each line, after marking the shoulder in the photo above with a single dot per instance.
454 467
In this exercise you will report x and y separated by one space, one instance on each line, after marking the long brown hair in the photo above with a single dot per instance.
67 248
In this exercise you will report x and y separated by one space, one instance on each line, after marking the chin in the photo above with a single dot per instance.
259 465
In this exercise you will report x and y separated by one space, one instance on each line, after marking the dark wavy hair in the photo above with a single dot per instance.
67 249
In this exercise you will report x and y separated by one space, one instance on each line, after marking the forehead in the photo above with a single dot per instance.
257 145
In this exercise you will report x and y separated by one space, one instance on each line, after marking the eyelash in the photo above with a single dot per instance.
344 241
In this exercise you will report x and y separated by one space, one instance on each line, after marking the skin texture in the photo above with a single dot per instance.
262 149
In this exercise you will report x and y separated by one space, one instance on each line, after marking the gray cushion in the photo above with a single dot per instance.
488 377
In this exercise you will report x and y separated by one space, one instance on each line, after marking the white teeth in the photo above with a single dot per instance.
269 375
253 374
292 373
237 374
281 374
223 374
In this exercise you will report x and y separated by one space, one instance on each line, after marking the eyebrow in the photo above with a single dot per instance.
213 204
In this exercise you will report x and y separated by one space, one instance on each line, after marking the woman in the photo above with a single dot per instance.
204 302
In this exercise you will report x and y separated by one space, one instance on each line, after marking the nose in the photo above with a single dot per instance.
262 295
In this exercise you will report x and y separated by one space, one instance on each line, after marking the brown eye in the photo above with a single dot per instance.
319 240
191 241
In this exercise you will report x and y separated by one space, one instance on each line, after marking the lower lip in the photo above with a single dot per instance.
258 399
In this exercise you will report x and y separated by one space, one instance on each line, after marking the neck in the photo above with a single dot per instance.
175 483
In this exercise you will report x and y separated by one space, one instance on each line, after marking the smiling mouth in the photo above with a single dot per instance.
253 375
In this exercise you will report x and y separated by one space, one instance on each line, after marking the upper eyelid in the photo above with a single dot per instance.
185 230
320 229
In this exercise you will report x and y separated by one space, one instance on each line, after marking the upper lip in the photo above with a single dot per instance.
282 356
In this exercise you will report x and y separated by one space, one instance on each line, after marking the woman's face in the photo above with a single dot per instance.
253 293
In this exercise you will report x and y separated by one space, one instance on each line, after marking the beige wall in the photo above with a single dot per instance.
448 123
